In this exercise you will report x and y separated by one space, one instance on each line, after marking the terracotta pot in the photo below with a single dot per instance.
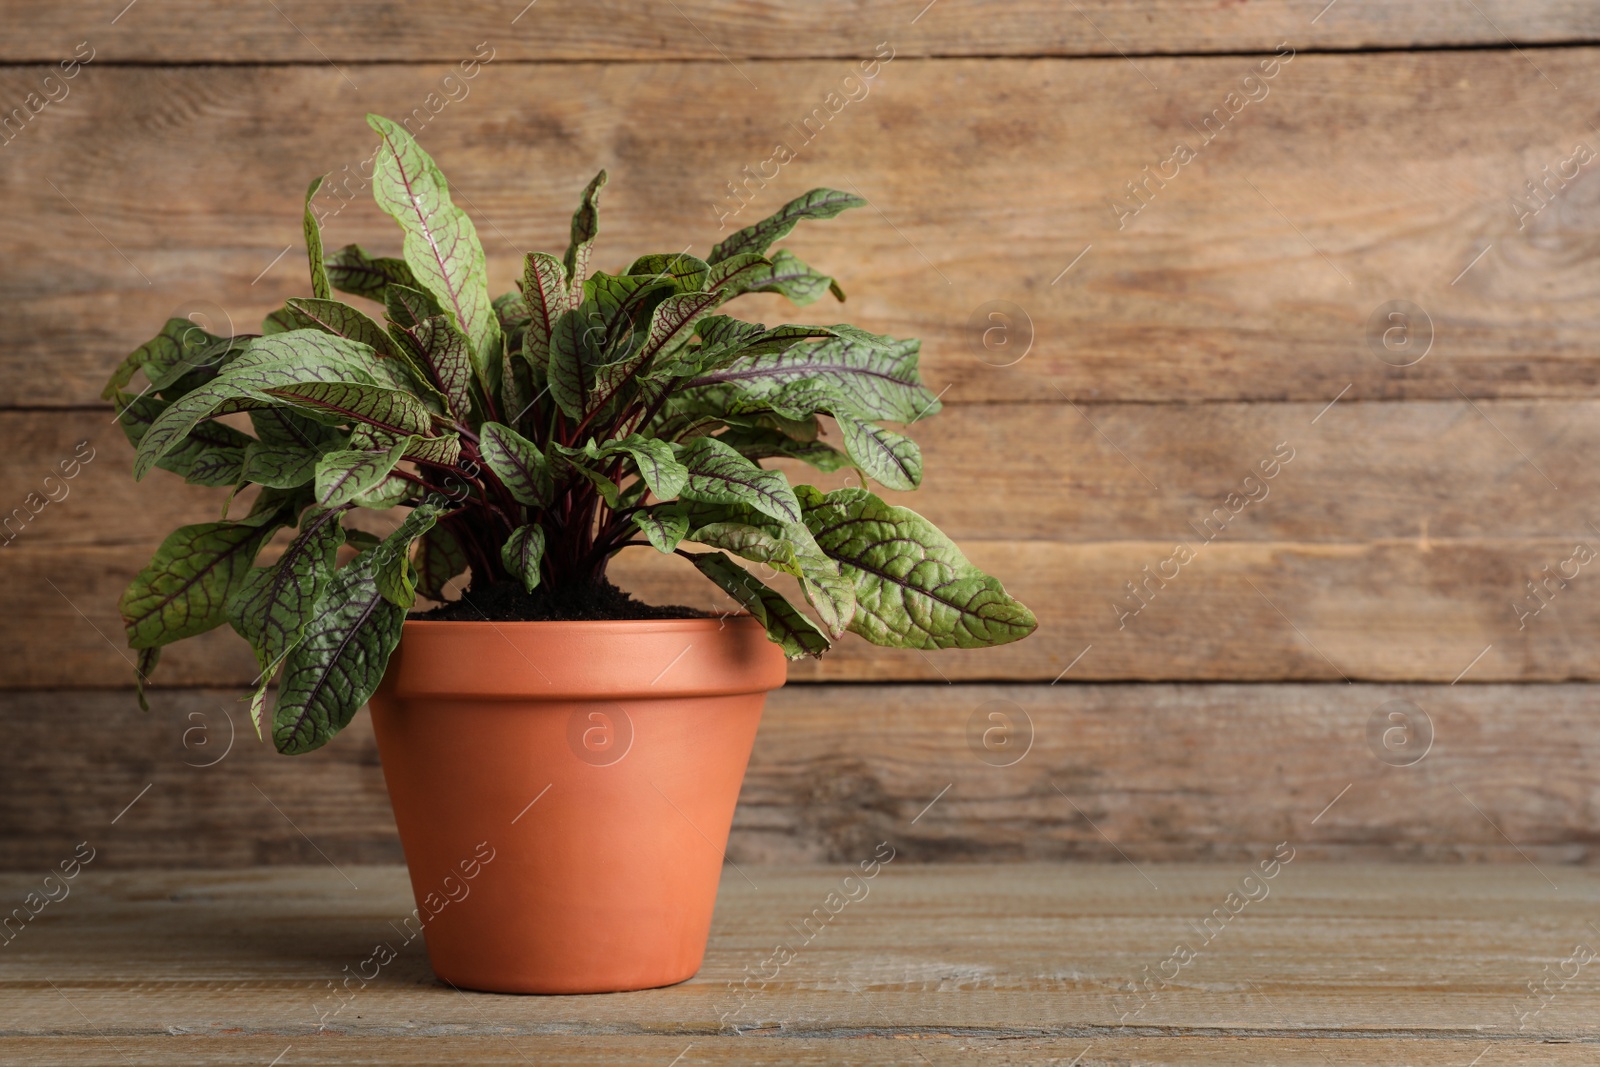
564 792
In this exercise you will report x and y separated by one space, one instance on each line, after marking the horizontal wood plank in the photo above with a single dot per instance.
1098 772
1259 612
885 1048
192 31
1259 269
1399 538
1357 472
1392 610
1341 964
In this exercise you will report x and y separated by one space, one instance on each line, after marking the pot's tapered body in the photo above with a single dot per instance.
564 792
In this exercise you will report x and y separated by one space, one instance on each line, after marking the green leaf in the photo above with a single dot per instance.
350 270
625 351
343 476
387 409
280 321
378 407
726 337
914 588
665 525
397 583
521 554
388 493
313 229
572 361
439 558
546 289
786 274
444 449
585 227
787 547
306 368
516 388
286 449
445 354
616 310
341 320
655 461
608 489
512 311
719 475
345 647
199 367
441 244
339 660
279 506
724 340
184 590
361 540
168 430
258 707
181 348
395 575
146 666
201 460
679 425
734 272
321 355
892 458
796 634
687 274
518 463
673 323
756 442
210 454
166 340
407 306
280 466
806 428
842 374
272 605
817 204
277 426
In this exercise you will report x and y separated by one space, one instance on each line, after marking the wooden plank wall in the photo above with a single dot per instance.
1162 344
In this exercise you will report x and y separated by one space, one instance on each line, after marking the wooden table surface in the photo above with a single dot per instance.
1321 964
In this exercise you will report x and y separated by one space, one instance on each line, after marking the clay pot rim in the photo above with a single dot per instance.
612 659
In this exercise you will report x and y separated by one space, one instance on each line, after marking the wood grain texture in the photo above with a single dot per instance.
1426 470
1340 964
1391 610
1252 274
1265 612
1110 773
300 31
1396 542
887 1049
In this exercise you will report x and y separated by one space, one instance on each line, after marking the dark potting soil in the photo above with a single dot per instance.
509 602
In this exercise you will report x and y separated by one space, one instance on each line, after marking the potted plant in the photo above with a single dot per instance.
563 761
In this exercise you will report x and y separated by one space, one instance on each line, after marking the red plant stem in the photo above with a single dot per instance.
484 500
489 408
656 407
477 559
